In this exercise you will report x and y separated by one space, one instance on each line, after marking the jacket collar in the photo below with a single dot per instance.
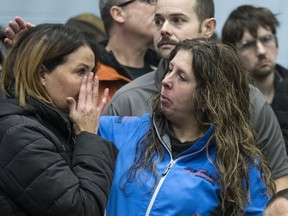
280 74
108 58
46 114
54 117
197 146
160 71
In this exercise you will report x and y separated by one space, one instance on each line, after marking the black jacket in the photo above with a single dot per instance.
280 107
280 100
45 169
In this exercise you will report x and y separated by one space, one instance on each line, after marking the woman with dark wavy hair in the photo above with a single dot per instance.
196 155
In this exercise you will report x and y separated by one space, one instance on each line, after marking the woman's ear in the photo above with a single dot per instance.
42 75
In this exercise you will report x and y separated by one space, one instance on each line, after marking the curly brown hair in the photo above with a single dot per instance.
223 89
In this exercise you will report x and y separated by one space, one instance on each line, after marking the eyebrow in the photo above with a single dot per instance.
179 69
84 65
170 15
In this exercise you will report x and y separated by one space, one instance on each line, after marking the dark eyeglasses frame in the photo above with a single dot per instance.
125 3
151 2
252 43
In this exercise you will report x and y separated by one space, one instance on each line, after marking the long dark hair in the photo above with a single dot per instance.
223 91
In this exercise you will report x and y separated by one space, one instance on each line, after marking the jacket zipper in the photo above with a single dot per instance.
164 174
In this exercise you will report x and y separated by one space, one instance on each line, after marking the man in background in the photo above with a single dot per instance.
126 54
252 30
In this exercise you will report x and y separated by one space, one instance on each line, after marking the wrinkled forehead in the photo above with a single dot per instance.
168 7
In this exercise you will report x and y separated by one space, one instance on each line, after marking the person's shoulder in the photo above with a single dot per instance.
119 129
257 99
21 129
282 88
280 100
115 125
282 71
261 112
11 114
109 120
142 82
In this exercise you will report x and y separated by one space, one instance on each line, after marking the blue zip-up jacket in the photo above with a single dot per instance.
187 184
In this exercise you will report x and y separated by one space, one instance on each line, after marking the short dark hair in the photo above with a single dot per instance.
204 9
250 18
105 6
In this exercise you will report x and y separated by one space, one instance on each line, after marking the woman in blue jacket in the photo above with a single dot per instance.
196 154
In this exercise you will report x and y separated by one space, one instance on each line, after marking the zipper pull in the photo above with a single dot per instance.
168 168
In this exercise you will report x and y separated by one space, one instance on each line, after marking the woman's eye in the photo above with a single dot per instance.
81 71
181 77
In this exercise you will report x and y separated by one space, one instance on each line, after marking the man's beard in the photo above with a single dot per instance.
261 74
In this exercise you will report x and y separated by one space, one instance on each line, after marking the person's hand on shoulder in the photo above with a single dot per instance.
16 27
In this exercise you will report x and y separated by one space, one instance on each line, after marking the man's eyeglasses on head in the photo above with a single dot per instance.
151 2
267 41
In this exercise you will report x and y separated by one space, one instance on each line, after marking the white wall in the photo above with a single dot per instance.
40 11
53 11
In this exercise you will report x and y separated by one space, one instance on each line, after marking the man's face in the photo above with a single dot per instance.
260 54
175 21
140 19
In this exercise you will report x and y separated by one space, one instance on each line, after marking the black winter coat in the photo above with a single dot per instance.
280 107
45 169
280 100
